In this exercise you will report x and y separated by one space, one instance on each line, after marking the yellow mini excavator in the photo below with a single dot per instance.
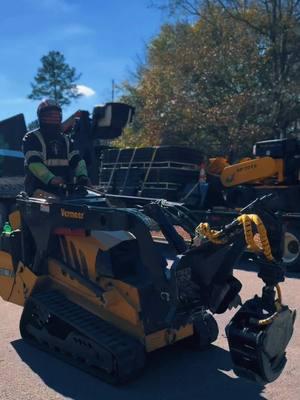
276 170
98 293
276 163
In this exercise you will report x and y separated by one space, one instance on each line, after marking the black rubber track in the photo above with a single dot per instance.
56 325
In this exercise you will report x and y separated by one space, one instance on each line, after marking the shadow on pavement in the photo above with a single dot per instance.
171 374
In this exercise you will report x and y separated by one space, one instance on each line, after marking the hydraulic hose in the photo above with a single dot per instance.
203 229
248 220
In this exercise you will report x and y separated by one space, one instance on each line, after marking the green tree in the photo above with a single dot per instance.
196 88
276 26
55 79
215 81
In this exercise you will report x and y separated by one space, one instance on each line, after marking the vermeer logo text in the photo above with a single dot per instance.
71 214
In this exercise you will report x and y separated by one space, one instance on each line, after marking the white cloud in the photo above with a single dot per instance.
85 90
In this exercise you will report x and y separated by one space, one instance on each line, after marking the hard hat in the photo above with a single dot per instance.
46 105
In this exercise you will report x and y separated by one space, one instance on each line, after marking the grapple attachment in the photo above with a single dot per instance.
258 349
259 333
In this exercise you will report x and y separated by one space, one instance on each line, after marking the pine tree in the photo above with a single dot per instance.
55 79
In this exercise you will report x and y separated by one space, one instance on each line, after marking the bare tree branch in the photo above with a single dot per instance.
234 12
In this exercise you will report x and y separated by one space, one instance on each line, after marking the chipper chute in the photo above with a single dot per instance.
98 292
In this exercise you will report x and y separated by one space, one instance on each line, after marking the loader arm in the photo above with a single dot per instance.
252 171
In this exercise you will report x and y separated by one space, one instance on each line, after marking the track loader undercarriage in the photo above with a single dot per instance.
99 293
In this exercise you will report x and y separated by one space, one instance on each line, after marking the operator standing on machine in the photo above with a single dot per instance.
50 157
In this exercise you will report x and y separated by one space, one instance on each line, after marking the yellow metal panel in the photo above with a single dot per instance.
89 246
166 337
57 274
129 293
280 171
25 282
15 219
119 306
115 308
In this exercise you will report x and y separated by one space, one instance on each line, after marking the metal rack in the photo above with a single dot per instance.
152 176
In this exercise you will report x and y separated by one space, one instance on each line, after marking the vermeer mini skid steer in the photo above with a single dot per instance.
98 293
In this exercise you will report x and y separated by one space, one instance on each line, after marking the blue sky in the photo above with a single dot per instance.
102 39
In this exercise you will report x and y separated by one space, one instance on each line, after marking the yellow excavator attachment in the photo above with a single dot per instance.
252 170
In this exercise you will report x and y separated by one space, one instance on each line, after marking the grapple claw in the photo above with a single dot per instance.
258 351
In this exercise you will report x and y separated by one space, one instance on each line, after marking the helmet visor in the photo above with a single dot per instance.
50 115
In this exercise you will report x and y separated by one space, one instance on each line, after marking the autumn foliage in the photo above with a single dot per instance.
216 83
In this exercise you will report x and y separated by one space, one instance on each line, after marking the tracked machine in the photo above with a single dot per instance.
99 293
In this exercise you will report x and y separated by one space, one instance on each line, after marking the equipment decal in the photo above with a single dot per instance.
71 214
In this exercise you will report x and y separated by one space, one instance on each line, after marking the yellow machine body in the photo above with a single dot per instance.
99 293
120 304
